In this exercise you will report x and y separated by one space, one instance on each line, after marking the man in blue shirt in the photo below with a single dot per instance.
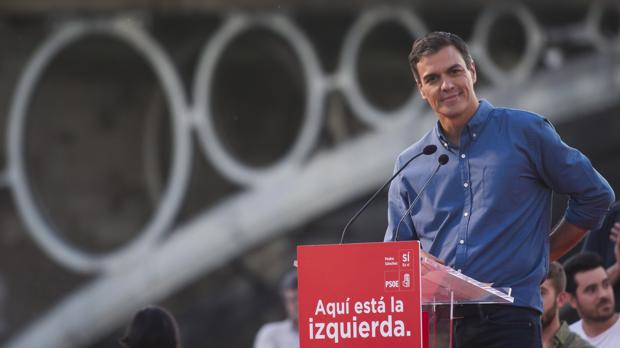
487 211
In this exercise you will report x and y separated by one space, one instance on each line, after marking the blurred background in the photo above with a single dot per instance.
177 152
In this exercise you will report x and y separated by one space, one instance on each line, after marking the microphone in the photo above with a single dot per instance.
428 150
443 159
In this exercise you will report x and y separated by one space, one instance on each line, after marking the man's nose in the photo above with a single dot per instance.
446 84
605 294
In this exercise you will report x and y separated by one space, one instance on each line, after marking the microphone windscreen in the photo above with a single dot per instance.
443 159
429 149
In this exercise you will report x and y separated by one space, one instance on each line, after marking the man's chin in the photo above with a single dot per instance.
452 112
547 317
604 314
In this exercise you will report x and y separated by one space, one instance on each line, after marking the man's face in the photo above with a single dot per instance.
550 303
594 297
290 303
447 83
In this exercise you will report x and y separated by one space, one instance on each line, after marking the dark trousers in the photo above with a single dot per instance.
501 326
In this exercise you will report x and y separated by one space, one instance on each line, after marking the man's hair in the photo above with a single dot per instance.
557 276
581 262
152 327
431 43
289 281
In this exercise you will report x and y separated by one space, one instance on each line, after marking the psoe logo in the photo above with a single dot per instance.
405 280
392 281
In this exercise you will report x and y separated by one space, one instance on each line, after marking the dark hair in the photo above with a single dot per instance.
557 276
152 327
431 43
289 281
581 262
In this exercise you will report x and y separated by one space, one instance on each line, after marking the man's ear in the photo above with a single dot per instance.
572 300
563 298
472 69
420 89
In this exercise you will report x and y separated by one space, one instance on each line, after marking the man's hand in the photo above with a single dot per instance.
613 272
614 235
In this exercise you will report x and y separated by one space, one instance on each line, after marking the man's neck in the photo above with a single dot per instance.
452 127
595 328
549 332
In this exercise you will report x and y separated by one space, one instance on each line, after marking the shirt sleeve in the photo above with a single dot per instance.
398 203
263 338
598 240
567 171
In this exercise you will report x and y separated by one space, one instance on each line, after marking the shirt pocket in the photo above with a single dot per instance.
503 188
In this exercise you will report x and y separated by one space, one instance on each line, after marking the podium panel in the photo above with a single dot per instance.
360 295
372 295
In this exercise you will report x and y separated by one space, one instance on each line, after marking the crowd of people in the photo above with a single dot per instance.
588 283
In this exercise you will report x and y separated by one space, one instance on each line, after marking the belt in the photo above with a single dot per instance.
482 310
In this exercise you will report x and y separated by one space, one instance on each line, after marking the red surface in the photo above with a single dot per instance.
360 295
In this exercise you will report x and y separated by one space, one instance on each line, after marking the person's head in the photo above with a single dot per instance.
431 43
445 74
552 292
288 291
591 292
152 327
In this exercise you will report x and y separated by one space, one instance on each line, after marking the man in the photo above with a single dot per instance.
554 334
285 333
606 243
487 211
592 296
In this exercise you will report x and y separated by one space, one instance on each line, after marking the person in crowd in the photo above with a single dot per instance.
554 333
152 327
592 296
487 211
285 333
606 242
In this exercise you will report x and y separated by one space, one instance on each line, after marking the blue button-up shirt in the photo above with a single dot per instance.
487 212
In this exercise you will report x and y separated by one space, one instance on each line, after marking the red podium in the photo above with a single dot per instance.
376 295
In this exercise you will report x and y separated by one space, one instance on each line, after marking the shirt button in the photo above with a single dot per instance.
474 135
466 184
461 241
458 270
462 155
465 214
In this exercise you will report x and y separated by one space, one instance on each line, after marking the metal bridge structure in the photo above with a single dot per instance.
564 71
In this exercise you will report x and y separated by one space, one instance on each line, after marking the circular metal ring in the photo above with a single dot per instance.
533 47
593 25
203 117
348 64
166 210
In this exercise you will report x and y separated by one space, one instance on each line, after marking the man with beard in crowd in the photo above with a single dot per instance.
591 294
554 333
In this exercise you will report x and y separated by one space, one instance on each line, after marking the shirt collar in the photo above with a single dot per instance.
474 125
562 334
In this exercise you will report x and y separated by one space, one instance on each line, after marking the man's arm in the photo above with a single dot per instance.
567 171
563 238
613 272
398 203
